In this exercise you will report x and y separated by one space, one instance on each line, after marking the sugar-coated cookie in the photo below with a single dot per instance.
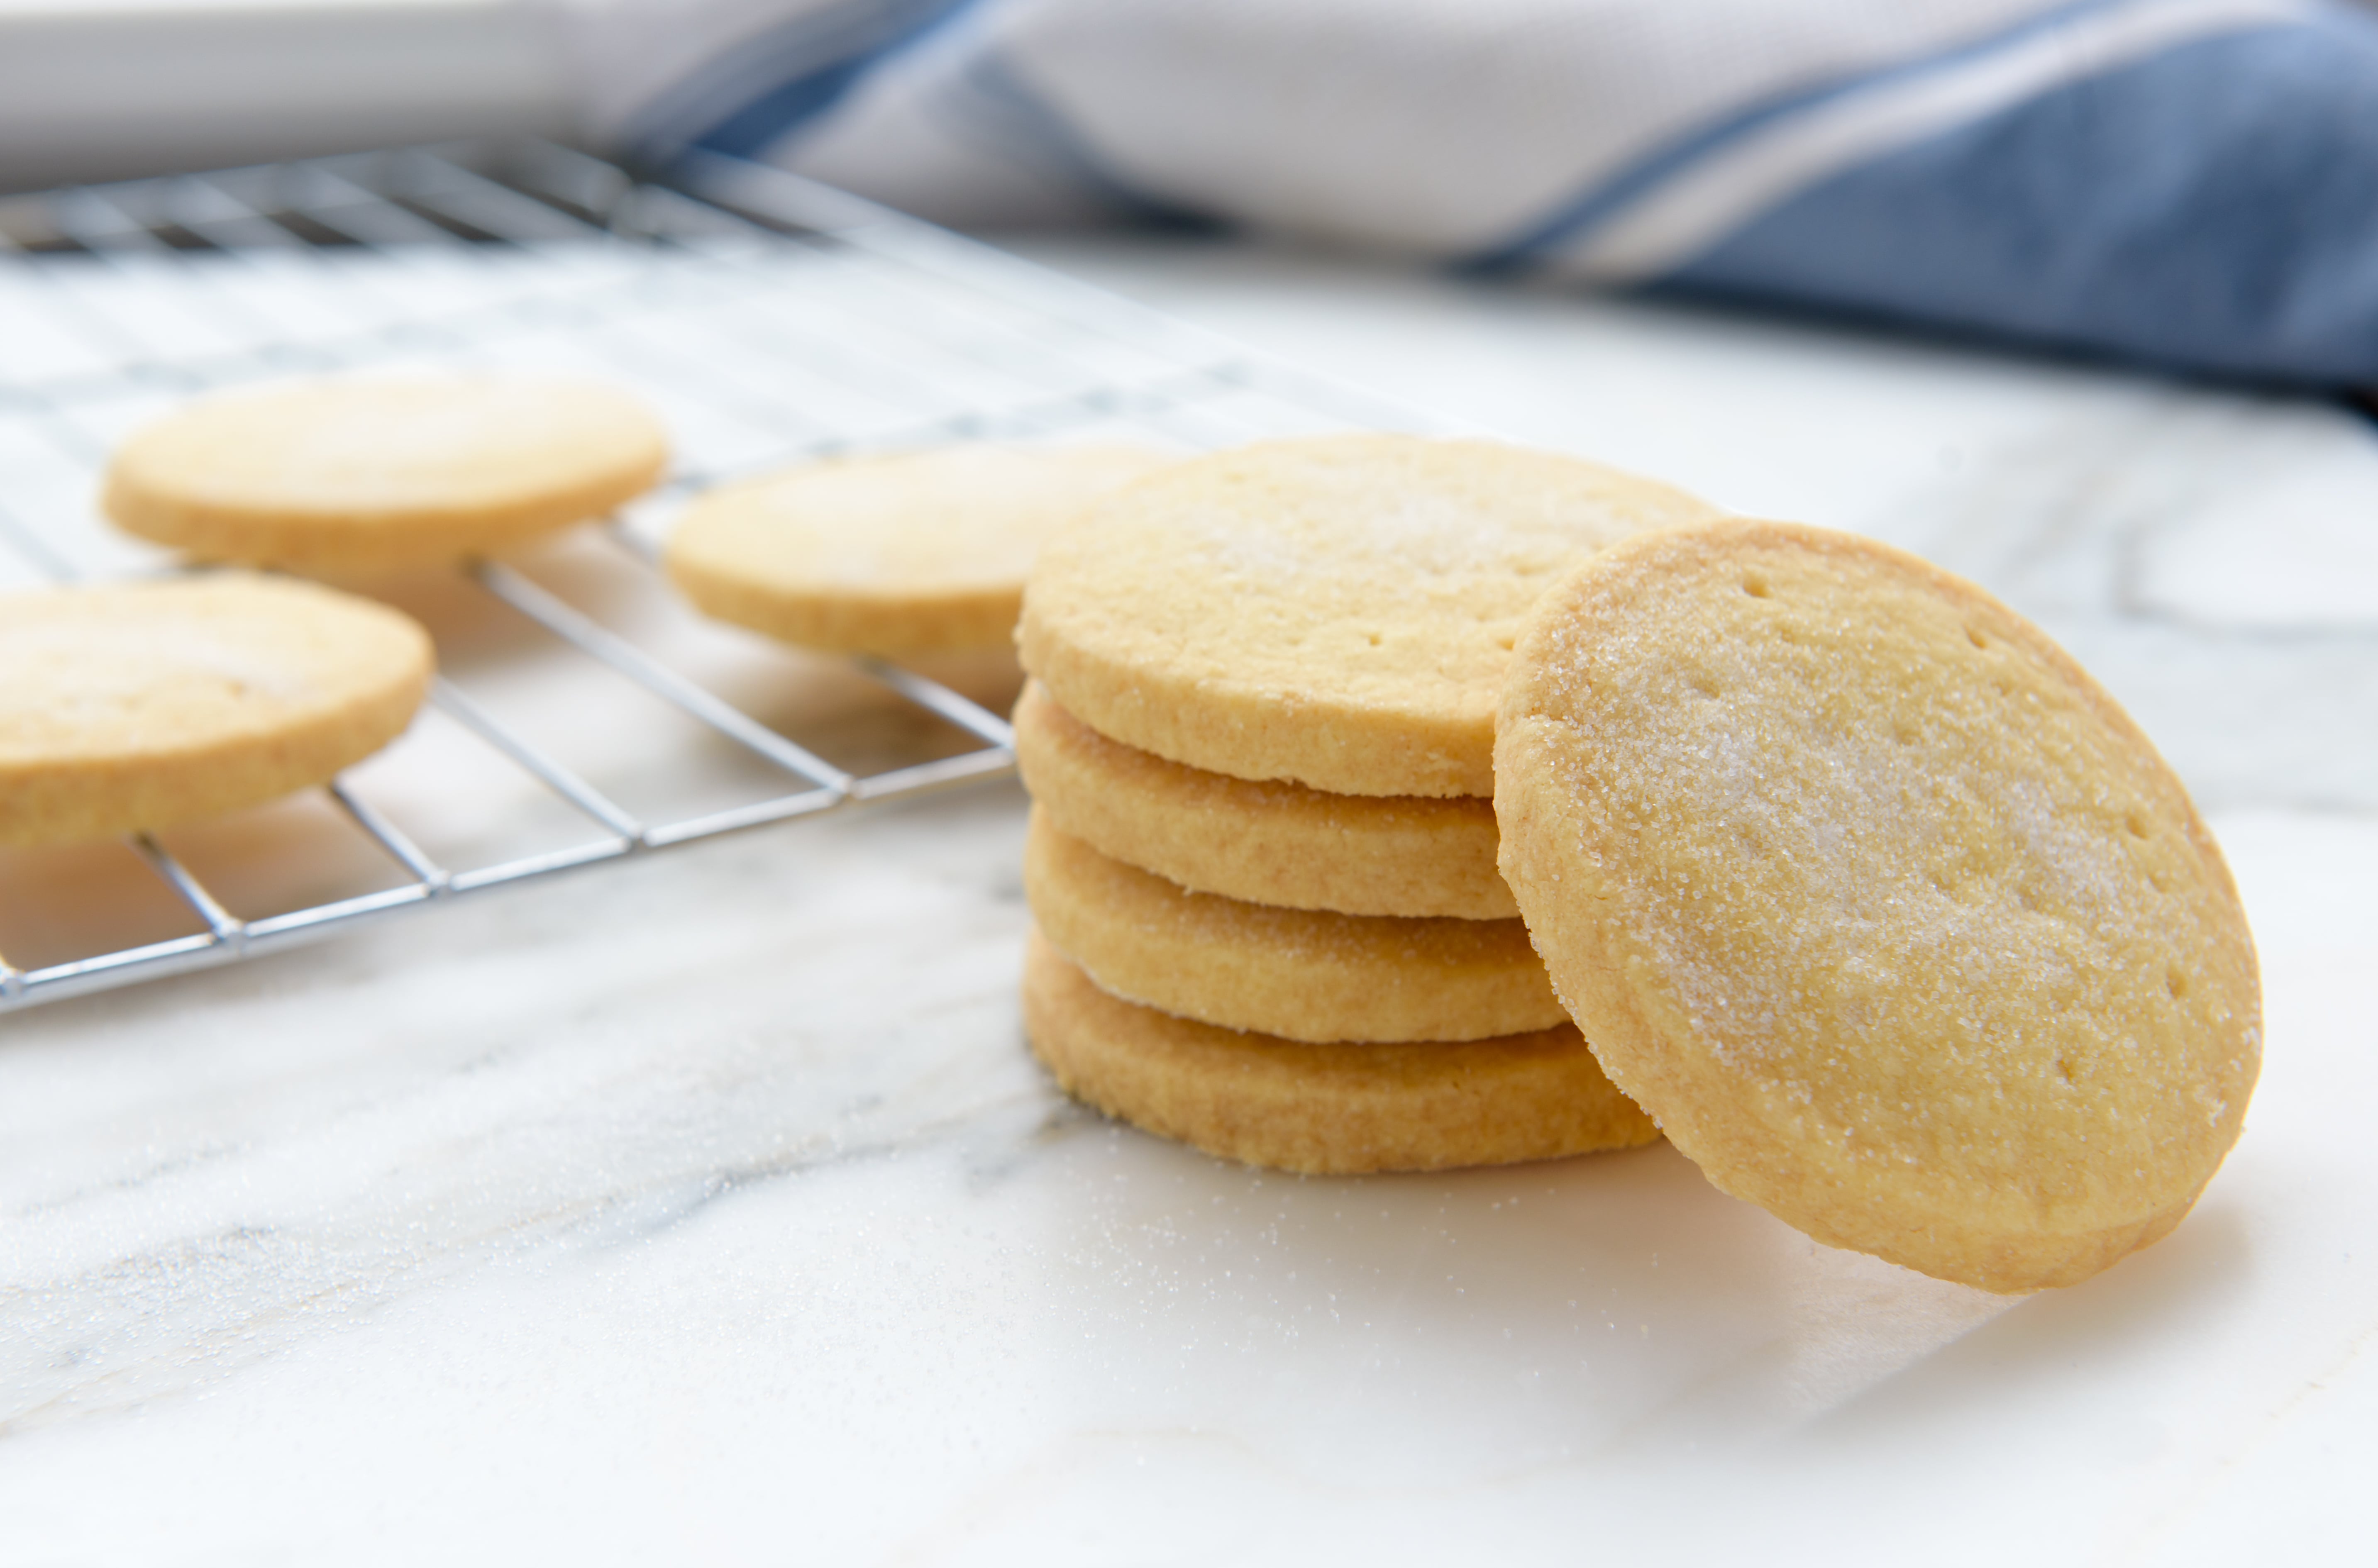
915 552
1878 903
1321 1109
1306 974
369 474
1335 611
142 706
1266 842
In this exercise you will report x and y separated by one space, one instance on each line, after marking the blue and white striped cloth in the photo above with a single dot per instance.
2188 181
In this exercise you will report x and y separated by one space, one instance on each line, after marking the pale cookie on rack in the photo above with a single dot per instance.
370 474
142 706
1265 841
1321 1109
1878 902
1304 974
918 552
1335 611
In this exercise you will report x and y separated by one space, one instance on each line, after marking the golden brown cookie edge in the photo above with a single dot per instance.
1278 844
1321 1109
1305 974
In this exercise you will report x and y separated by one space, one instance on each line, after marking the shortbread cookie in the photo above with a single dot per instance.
361 474
1321 1109
1264 842
1306 974
1336 612
1876 902
142 706
918 552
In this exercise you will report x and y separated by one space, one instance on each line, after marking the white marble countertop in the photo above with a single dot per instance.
708 1209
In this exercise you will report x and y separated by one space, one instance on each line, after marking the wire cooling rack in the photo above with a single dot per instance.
770 319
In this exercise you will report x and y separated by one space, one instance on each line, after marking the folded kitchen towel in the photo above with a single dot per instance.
2188 181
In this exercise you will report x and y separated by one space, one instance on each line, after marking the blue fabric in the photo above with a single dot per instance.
752 129
1035 131
787 75
1611 194
2191 183
2216 206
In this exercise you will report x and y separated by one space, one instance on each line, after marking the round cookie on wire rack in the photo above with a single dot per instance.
921 552
358 475
1303 974
1323 1109
1877 901
136 707
1335 611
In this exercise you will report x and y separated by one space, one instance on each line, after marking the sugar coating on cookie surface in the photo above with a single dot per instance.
1304 974
1877 901
369 474
1268 842
1336 611
913 552
143 706
1321 1109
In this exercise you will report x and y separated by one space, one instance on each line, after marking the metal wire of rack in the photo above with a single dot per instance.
772 320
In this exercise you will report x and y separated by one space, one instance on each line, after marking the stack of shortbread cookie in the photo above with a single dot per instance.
1857 884
1262 856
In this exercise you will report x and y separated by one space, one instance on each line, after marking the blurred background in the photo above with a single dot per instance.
2189 184
104 89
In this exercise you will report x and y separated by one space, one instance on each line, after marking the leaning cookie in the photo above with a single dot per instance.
1336 612
1264 842
1876 901
920 552
369 474
1321 1109
141 707
1304 974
